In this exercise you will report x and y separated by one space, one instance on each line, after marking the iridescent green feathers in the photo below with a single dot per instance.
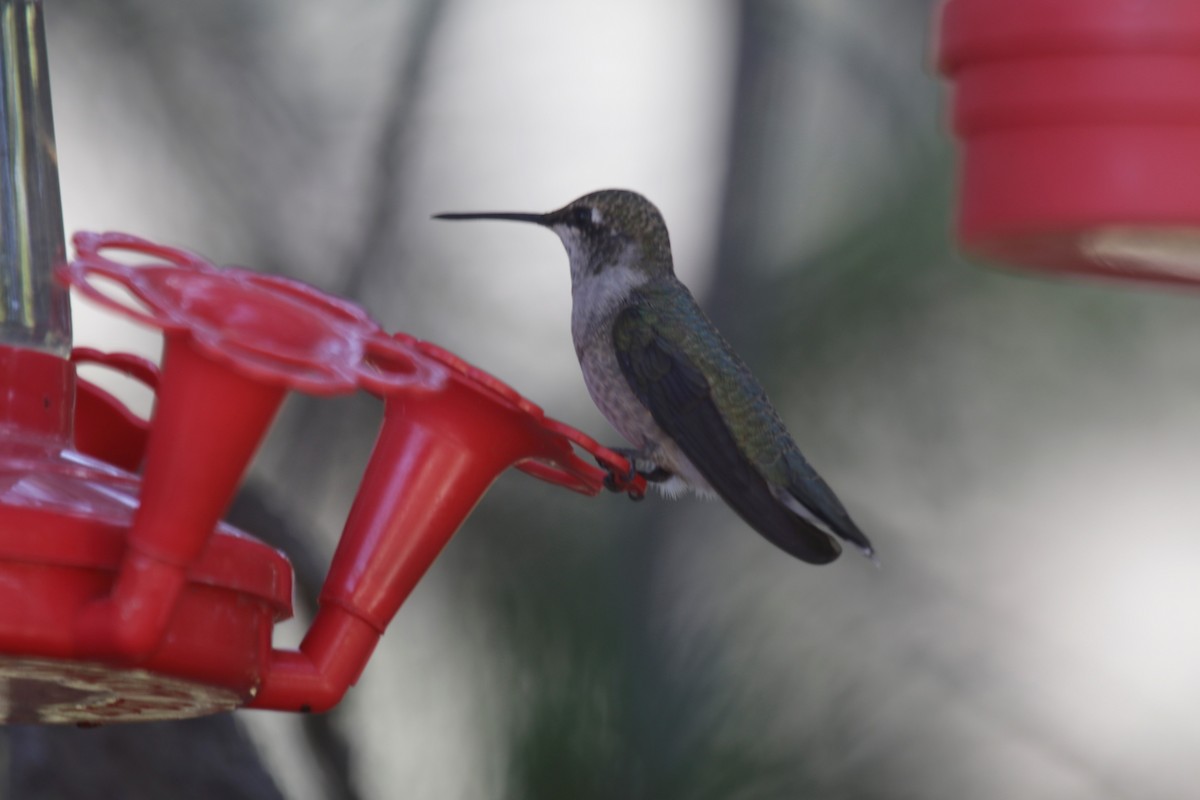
727 427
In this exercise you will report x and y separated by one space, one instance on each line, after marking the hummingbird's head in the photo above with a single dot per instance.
611 228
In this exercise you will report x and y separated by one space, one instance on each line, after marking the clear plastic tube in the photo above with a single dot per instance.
35 312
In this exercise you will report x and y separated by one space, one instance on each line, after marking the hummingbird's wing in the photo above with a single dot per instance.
671 383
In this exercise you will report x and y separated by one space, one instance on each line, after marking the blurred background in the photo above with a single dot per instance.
1024 453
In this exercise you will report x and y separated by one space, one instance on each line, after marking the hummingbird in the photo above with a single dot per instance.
665 378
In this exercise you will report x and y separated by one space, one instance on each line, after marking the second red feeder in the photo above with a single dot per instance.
1080 129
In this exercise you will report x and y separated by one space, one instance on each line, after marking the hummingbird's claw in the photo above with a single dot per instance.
624 484
613 483
616 482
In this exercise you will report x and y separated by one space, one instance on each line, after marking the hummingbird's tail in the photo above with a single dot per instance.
757 504
841 526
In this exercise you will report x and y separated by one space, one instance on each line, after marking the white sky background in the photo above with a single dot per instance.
1063 584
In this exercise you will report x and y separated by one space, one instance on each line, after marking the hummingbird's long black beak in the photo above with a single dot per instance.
512 216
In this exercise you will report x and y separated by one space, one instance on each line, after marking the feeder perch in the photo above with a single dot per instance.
1079 122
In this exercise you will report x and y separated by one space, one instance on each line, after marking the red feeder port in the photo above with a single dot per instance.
123 597
1080 129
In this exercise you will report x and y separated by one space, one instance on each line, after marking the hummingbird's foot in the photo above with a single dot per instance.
615 482
620 483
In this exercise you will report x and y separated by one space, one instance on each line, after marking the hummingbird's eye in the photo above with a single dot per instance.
583 217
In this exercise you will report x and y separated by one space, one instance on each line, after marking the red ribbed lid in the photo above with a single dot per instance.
986 30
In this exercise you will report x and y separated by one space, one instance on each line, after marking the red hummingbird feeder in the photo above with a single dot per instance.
122 594
1080 129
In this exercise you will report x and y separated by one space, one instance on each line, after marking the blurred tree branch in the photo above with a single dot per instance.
384 185
316 426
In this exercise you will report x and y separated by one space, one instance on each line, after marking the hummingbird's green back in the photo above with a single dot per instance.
709 402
